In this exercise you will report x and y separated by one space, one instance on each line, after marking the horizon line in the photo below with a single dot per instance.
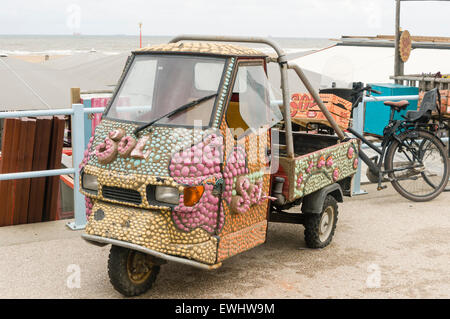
137 35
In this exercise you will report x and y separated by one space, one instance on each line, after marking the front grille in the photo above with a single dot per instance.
122 194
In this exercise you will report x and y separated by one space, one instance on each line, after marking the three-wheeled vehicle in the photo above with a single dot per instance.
192 160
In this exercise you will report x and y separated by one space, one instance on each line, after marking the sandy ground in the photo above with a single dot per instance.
384 247
36 58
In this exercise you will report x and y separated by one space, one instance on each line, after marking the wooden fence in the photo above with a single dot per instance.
30 144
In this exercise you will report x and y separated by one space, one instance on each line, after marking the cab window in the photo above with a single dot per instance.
249 109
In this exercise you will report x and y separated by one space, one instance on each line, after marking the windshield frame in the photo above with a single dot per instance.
129 64
243 62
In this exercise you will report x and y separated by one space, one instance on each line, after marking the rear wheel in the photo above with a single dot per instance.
319 228
418 166
131 272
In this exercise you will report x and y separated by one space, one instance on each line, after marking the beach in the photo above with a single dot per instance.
54 45
36 58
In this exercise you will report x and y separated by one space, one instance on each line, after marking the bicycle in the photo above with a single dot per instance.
414 158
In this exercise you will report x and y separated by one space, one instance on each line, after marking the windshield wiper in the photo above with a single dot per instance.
176 111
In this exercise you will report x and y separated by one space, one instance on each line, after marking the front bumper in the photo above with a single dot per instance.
152 230
96 240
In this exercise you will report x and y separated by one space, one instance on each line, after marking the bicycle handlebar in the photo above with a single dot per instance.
366 88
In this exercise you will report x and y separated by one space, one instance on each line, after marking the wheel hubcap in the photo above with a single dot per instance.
139 267
326 223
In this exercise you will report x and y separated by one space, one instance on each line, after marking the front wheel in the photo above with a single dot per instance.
131 273
417 165
319 228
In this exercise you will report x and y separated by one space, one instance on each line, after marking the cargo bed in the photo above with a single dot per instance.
319 160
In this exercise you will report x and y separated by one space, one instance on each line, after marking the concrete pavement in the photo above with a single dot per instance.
384 247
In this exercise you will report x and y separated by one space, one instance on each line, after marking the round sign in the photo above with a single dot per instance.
405 46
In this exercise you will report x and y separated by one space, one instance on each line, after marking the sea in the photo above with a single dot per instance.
116 44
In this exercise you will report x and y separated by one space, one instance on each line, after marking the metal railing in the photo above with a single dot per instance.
78 145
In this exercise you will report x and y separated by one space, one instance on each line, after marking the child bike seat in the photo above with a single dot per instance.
428 105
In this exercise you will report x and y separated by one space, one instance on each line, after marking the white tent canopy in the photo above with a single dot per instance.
371 64
25 86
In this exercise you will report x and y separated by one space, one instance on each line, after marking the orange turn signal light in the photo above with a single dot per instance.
192 195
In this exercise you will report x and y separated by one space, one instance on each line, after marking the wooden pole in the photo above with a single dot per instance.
75 98
140 34
398 64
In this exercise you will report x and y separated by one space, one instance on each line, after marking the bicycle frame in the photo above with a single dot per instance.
392 131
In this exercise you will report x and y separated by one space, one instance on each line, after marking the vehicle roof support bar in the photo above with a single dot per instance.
282 61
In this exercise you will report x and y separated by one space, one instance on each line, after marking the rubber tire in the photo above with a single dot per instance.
312 224
118 275
389 165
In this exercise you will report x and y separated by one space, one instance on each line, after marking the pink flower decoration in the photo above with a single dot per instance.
299 180
321 162
350 152
329 161
311 165
355 163
336 174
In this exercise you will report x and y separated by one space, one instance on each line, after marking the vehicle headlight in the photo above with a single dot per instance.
89 182
169 195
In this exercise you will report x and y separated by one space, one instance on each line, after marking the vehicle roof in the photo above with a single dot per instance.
204 48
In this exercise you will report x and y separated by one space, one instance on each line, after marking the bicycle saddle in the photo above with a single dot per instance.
398 106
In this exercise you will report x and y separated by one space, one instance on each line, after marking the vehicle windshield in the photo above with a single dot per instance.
156 85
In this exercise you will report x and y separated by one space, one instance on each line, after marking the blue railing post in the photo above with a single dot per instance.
78 146
358 126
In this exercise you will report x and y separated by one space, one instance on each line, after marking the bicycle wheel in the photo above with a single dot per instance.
417 166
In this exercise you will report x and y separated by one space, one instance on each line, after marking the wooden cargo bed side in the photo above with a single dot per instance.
313 171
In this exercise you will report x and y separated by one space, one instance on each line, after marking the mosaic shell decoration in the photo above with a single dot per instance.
87 155
316 170
195 166
126 145
117 143
106 152
247 194
242 190
117 134
235 165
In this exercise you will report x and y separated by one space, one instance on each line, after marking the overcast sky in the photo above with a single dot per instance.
290 18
